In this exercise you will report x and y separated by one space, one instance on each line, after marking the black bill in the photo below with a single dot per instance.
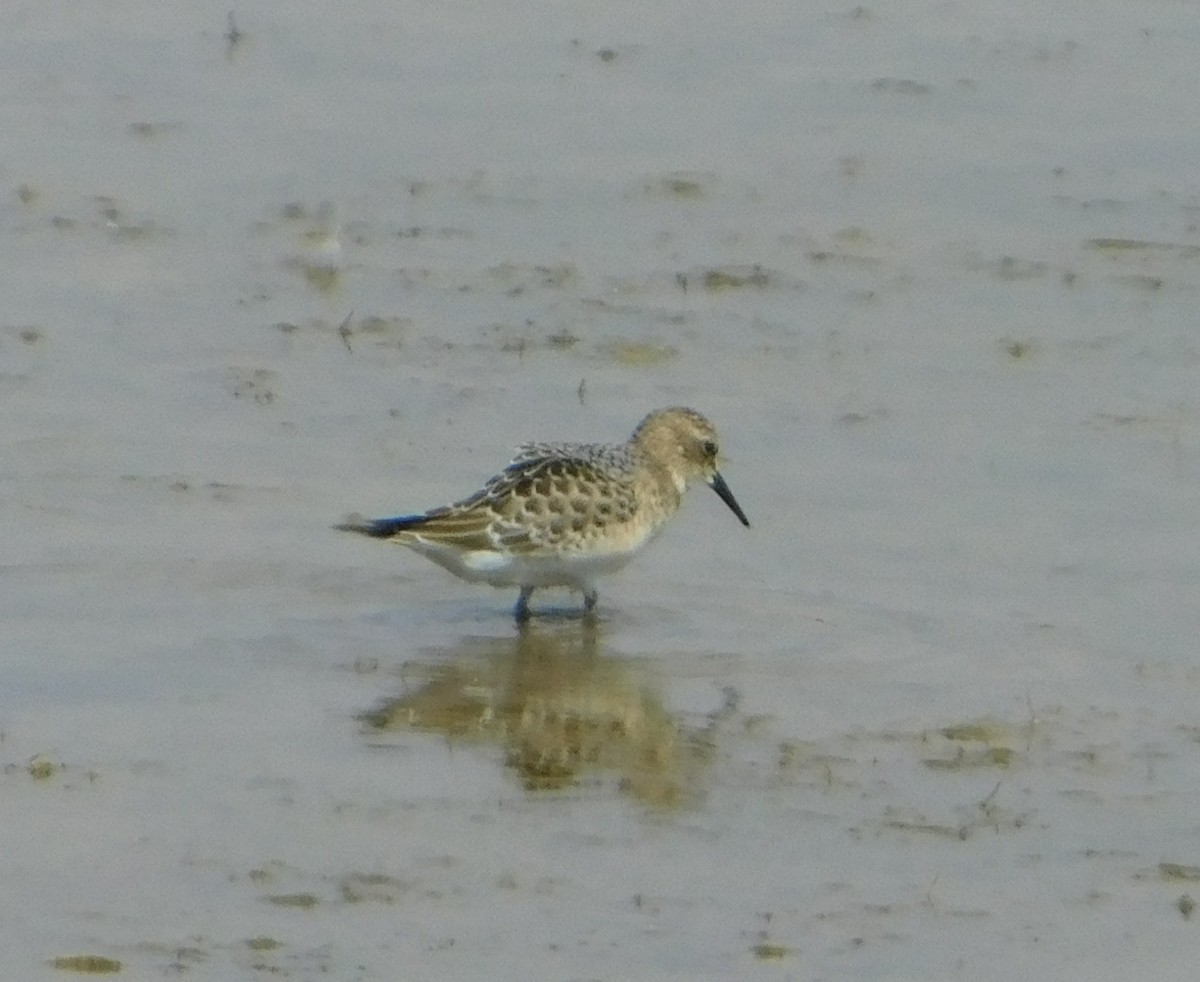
717 483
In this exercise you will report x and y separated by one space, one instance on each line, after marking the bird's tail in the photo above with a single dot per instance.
383 528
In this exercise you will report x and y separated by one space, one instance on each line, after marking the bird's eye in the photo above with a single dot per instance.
710 448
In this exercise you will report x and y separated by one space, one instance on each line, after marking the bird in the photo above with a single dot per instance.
564 514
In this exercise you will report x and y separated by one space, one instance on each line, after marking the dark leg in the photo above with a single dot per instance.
589 600
521 611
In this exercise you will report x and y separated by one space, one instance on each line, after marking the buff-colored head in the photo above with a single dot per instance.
685 443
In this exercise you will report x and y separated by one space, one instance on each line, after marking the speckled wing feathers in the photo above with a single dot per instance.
463 526
551 496
612 458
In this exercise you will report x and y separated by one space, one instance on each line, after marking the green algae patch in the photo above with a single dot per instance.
42 768
88 964
1179 872
1118 246
681 186
562 340
1017 350
301 901
964 760
981 731
262 944
938 829
322 278
995 736
735 278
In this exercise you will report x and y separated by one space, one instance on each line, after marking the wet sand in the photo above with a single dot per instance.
932 272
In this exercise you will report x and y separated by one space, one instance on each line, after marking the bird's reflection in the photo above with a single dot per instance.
564 712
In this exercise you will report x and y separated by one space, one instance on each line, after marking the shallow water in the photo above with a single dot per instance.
931 270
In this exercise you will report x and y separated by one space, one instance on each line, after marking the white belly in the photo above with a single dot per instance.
575 570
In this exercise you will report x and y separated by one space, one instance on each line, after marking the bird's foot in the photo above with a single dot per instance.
522 612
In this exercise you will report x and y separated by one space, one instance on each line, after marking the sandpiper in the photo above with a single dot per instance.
563 514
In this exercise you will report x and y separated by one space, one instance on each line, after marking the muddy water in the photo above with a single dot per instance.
932 271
